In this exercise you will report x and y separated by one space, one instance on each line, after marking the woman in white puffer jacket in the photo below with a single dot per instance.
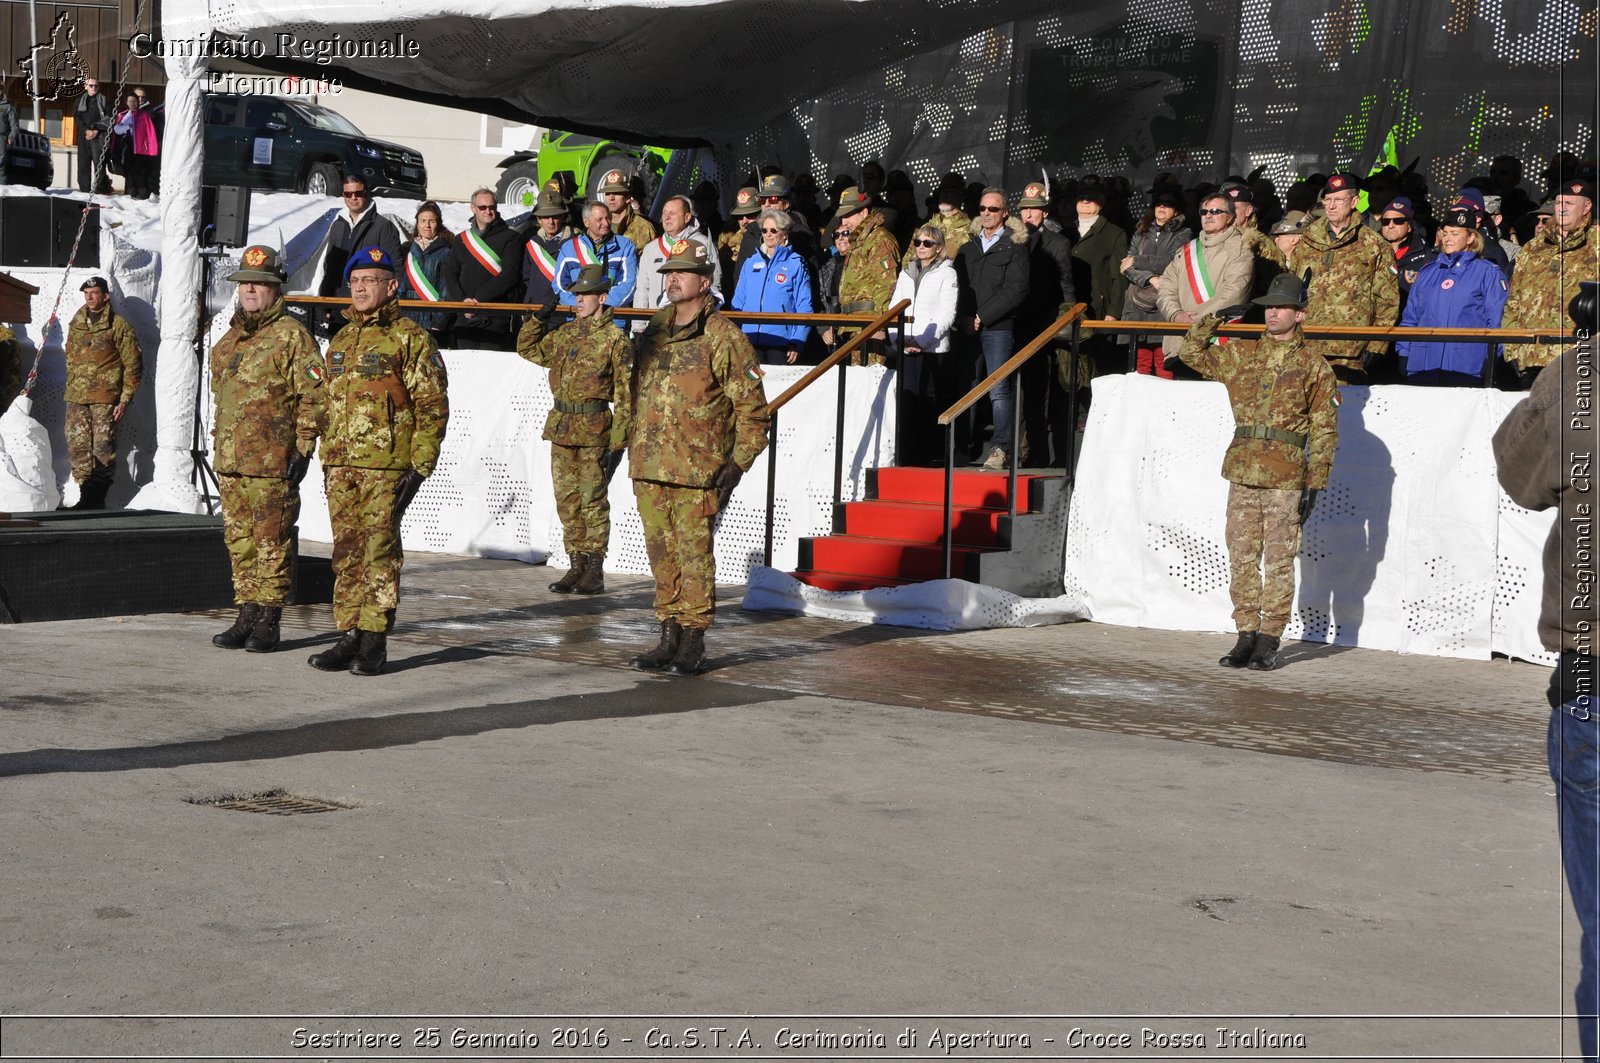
929 281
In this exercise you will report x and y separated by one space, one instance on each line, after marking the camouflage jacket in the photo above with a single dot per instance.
636 227
1269 261
590 361
103 360
697 400
1546 278
10 368
267 377
387 405
954 226
1353 282
727 257
1277 385
870 270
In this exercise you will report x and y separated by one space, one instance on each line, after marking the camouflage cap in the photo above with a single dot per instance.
261 264
614 181
775 185
746 203
552 204
1285 290
852 201
1290 223
687 256
591 279
1034 195
368 258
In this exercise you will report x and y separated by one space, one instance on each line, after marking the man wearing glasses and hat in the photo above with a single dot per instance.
1352 278
267 379
870 270
1564 254
732 249
625 222
104 368
542 251
1397 225
387 411
774 193
1286 427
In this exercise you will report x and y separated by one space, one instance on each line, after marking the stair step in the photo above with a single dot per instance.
922 522
969 487
895 558
848 581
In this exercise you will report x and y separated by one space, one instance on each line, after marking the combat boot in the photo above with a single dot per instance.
593 580
565 584
264 633
664 652
337 658
373 655
234 637
1265 656
691 656
1239 656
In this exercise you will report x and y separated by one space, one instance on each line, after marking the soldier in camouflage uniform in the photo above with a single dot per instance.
746 205
869 272
1285 410
266 376
699 421
590 362
949 219
1549 269
624 221
1353 279
104 367
10 368
387 410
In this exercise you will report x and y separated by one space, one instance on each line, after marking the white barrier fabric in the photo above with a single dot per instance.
937 605
1412 548
491 496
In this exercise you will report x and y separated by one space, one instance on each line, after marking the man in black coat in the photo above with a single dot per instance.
485 266
1050 294
93 115
358 225
992 268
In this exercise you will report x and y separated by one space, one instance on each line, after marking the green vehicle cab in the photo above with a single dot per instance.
585 157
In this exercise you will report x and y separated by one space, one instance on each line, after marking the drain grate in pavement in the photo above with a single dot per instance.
273 803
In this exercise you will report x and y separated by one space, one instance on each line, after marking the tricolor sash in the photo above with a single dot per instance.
1194 265
665 245
584 248
543 260
419 280
480 250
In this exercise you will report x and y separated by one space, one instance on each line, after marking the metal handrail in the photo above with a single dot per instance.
1071 319
1347 332
736 316
849 347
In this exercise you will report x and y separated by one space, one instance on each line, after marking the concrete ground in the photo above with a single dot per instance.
1005 834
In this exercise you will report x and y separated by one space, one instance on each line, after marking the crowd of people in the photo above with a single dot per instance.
122 138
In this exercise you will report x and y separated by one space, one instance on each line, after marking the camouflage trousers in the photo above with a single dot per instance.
258 518
678 532
1263 541
366 547
91 438
581 500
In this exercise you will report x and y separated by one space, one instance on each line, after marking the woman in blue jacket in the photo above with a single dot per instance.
775 280
1456 290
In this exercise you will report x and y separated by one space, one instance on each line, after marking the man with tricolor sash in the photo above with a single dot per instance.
542 248
1214 270
598 245
677 223
485 266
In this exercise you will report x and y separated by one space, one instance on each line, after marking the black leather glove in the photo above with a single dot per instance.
609 460
1308 500
724 482
297 468
405 489
1234 313
545 313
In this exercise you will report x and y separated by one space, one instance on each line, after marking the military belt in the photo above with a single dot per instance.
860 306
1250 431
592 406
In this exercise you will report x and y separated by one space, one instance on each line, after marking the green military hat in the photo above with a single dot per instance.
552 204
747 202
851 201
1034 195
687 256
1285 290
261 264
775 185
614 181
1290 223
591 279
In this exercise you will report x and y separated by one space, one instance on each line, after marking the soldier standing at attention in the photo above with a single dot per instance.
730 245
387 411
266 375
699 421
590 362
625 222
104 367
1285 411
1549 270
867 283
1353 279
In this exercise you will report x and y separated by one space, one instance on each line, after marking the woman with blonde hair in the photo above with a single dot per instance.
1458 289
929 281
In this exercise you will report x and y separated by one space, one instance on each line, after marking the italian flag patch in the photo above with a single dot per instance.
315 373
753 372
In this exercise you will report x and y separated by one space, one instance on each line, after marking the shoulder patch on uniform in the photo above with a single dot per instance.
315 372
438 359
888 263
1503 285
754 372
1393 269
1337 398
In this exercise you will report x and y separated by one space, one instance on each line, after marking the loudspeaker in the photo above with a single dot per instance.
225 215
39 230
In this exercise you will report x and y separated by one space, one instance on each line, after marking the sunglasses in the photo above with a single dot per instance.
356 195
927 243
1392 221
1205 211
772 232
842 234
769 199
991 210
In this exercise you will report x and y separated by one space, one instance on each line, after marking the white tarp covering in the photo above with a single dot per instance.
27 483
938 605
1412 548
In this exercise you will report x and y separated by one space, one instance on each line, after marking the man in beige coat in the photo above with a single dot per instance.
1213 271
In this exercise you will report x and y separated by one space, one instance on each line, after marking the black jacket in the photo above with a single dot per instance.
466 278
1050 287
372 229
994 283
92 112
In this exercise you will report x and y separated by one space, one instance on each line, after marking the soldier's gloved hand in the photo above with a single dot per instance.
1233 313
609 460
1526 377
1206 327
725 481
545 313
405 489
1308 501
297 468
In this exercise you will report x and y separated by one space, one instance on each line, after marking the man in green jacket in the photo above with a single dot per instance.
104 368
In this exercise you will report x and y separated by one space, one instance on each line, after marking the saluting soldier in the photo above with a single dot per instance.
387 411
104 367
699 421
266 376
1285 410
590 362
867 283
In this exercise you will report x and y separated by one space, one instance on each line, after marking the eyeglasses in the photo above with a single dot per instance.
1392 221
1208 211
772 232
927 243
991 210
356 195
766 200
368 282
